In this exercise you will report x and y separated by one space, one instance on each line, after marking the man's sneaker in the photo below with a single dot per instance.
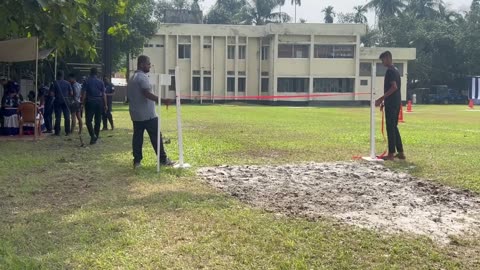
389 157
401 156
137 165
167 162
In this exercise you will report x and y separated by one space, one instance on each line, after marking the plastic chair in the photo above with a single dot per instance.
28 114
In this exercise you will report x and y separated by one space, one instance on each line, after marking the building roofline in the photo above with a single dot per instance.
264 30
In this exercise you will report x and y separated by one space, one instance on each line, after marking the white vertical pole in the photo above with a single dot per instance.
157 86
372 112
35 132
179 116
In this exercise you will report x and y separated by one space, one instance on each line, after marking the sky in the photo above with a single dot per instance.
311 10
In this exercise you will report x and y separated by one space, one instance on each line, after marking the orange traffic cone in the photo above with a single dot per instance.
400 115
409 106
470 104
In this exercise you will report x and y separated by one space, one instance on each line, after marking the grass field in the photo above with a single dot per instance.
65 207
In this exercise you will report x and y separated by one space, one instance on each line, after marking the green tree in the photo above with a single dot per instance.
72 27
225 12
346 17
329 14
422 9
360 12
131 32
295 2
470 38
386 8
260 12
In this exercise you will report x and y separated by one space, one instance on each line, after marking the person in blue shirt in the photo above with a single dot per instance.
61 90
109 92
95 101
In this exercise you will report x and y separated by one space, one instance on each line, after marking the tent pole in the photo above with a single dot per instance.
55 67
35 132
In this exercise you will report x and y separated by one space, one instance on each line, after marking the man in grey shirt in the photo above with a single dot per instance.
142 112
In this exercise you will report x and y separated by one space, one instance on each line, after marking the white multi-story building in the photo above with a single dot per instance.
310 62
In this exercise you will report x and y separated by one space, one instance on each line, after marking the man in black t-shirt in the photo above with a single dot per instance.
391 101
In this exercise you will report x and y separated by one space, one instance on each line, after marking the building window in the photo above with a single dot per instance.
159 45
264 73
195 83
231 52
242 73
334 51
207 46
381 70
171 71
207 84
242 52
172 86
365 69
363 82
185 39
294 85
230 84
184 51
242 84
196 72
265 82
231 73
265 50
207 72
333 85
293 51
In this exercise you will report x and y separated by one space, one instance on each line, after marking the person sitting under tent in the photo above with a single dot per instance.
31 96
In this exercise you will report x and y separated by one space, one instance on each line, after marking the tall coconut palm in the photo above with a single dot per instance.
281 3
329 14
386 8
260 12
422 9
448 15
360 14
296 2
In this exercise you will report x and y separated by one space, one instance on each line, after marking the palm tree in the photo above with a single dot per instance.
449 15
260 12
386 8
329 14
360 14
422 9
296 2
281 3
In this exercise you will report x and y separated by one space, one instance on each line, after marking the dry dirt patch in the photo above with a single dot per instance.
362 194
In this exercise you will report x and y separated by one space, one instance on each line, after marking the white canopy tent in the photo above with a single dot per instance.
24 50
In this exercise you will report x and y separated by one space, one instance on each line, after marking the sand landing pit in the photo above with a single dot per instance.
363 194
